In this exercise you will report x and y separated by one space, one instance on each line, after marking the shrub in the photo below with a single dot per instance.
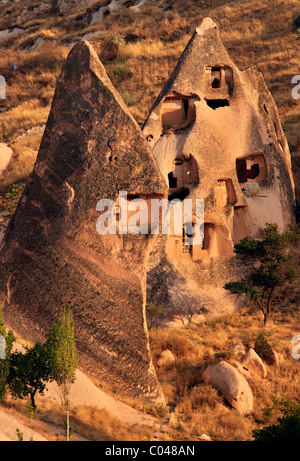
9 202
287 428
296 21
263 348
119 73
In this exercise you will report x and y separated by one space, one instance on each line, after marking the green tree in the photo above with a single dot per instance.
288 423
7 339
29 372
63 355
271 260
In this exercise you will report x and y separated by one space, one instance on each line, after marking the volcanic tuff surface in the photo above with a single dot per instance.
216 135
52 255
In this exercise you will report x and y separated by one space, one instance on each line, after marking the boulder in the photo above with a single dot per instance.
238 350
231 384
205 438
166 358
247 373
254 363
5 157
67 6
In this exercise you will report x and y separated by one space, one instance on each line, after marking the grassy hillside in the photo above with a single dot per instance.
139 48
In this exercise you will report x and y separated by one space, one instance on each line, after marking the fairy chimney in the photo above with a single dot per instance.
52 254
216 135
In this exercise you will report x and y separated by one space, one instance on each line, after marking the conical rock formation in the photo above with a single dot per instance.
216 135
52 254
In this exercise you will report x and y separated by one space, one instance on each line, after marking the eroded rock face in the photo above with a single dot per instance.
66 6
52 254
253 363
216 134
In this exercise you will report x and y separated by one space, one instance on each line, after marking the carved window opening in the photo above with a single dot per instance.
178 111
209 230
216 103
251 169
172 180
220 77
216 77
181 194
186 248
224 193
183 176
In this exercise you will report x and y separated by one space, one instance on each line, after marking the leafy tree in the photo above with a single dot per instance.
29 372
271 259
7 340
63 356
288 423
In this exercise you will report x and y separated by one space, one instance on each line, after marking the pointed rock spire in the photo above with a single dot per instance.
52 254
216 134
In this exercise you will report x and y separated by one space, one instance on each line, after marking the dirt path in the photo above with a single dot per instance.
10 424
84 392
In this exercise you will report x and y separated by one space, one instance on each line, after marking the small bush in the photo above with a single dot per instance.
110 48
263 348
119 73
9 202
296 21
287 428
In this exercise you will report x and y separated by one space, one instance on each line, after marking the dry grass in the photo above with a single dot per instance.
198 408
195 407
255 32
90 423
25 152
152 50
99 425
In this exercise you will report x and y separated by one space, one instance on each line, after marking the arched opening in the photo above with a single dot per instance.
224 193
217 103
220 77
186 247
216 243
209 230
183 176
252 168
178 111
216 77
